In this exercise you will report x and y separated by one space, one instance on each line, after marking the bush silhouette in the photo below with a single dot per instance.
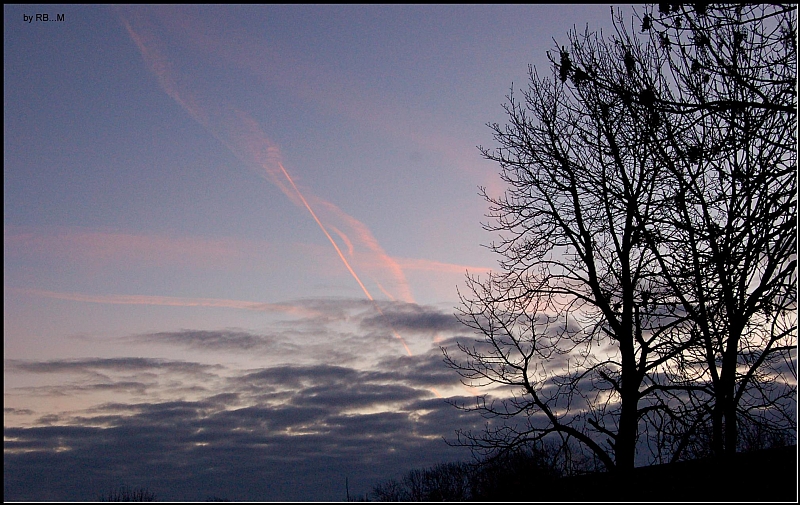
124 493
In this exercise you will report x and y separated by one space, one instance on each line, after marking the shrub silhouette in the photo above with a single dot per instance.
488 479
124 493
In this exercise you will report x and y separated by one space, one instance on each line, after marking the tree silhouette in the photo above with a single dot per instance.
647 237
535 474
443 482
577 325
730 149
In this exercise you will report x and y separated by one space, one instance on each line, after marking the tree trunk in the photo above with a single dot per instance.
725 405
731 429
717 424
625 447
728 377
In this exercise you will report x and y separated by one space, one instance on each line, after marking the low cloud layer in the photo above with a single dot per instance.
354 408
276 433
413 317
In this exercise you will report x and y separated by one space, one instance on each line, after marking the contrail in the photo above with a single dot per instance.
314 215
344 260
247 127
344 238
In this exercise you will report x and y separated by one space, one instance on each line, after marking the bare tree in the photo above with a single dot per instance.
729 147
578 325
648 244
714 47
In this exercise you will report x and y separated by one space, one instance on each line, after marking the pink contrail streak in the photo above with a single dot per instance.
242 125
339 252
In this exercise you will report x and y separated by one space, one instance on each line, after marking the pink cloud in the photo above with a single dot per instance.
418 264
344 238
135 249
170 301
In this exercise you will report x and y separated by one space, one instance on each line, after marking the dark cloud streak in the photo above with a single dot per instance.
412 317
107 364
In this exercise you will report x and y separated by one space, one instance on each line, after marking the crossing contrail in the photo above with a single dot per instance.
241 134
344 260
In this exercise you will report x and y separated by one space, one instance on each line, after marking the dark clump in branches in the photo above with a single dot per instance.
645 305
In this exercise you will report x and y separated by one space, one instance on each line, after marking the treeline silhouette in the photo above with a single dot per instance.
141 494
460 481
768 472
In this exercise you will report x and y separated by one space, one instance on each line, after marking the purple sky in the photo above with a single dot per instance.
233 236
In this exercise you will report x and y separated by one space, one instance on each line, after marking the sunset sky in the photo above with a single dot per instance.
233 237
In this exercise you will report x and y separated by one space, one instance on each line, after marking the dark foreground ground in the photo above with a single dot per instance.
765 476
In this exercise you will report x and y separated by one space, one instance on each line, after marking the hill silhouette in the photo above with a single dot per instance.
763 475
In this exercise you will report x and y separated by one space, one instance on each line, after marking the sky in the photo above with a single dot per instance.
233 238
